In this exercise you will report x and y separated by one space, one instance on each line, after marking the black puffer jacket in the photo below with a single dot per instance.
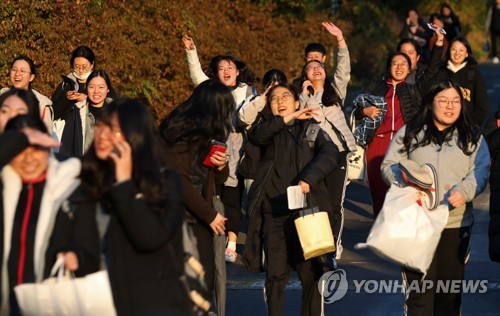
473 87
410 95
317 157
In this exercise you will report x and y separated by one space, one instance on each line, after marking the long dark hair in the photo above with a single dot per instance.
206 115
468 134
245 76
330 95
21 122
28 97
136 126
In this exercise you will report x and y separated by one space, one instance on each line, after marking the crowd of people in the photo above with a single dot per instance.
85 172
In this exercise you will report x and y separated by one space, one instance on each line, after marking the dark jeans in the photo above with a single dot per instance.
494 42
283 253
448 264
231 197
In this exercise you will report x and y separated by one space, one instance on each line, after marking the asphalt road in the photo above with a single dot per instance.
245 295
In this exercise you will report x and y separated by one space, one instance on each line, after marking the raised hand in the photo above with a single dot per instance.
36 137
188 43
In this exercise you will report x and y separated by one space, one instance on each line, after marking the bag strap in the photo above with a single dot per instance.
58 268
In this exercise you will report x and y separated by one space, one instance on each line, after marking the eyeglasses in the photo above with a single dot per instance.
399 65
455 103
314 68
81 67
285 97
21 71
229 69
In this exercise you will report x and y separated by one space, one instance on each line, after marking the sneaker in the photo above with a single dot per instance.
231 255
495 60
432 192
414 174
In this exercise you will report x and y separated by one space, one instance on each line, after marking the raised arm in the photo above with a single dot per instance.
195 71
342 73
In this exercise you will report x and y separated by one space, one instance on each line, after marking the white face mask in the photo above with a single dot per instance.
82 77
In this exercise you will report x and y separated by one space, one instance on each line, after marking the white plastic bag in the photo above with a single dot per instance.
405 232
59 295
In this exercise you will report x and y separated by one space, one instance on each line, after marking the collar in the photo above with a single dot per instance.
36 180
454 68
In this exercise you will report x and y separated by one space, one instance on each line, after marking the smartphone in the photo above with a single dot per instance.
116 151
311 90
214 146
433 27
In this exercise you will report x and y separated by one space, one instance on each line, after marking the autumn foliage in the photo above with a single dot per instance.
138 42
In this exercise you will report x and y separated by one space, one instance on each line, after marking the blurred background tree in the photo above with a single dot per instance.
138 42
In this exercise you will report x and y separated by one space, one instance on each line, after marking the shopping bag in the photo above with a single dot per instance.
356 163
315 233
405 232
59 295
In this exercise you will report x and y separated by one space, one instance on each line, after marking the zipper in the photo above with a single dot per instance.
393 98
24 232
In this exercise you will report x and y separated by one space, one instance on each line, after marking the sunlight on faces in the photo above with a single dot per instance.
227 73
315 71
20 74
410 50
31 163
11 107
283 102
458 53
399 68
446 108
82 65
97 90
105 135
315 56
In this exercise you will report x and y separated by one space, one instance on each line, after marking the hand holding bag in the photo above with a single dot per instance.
406 232
315 232
356 163
60 295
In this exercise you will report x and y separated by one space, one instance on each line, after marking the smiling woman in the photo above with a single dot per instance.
403 100
22 74
441 135
77 132
463 69
37 229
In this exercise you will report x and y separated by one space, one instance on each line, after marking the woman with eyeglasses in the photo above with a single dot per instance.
463 69
291 157
22 73
442 136
72 89
235 75
403 104
44 213
76 129
318 90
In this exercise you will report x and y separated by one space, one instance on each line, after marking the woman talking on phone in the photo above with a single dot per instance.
188 132
143 242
